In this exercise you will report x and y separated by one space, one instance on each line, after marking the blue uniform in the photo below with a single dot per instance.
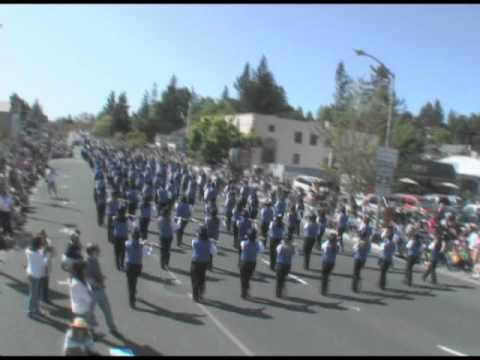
280 207
310 230
201 250
329 252
213 227
165 227
361 252
146 211
244 224
275 231
388 249
266 215
250 249
284 255
183 211
134 252
120 228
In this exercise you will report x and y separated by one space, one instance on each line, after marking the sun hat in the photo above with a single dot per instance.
79 323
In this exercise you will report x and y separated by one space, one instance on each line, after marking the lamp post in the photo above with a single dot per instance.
390 98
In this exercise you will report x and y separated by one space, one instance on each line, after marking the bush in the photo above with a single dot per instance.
136 138
103 126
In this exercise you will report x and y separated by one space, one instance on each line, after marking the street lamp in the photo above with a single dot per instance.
360 52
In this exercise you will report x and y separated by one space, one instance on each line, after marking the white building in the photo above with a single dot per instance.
284 141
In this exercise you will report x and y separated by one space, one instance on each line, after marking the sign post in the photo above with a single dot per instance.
385 167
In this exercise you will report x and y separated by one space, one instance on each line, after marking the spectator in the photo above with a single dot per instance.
6 207
36 268
79 340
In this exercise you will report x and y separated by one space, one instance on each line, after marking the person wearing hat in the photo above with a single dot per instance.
133 264
96 280
276 233
310 232
414 251
182 214
330 250
285 252
213 228
202 249
79 340
113 204
120 235
228 208
165 229
266 217
387 251
250 248
81 299
361 249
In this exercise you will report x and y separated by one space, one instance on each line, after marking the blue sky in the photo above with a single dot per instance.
71 56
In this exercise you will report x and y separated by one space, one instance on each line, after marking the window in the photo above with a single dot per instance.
271 128
313 139
296 159
298 137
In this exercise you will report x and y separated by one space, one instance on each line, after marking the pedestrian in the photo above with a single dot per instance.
250 248
322 226
113 204
134 260
310 232
361 249
266 217
342 226
300 209
436 247
244 225
330 250
202 248
81 299
228 209
285 252
414 250
132 199
292 220
101 203
79 340
6 207
50 178
48 252
165 229
236 216
276 233
120 235
253 204
182 215
145 215
387 250
280 206
163 199
96 280
213 228
37 262
73 252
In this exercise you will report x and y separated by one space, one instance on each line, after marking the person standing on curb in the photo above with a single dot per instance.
330 250
134 261
250 248
36 267
310 232
165 229
96 280
202 248
276 233
285 252
385 260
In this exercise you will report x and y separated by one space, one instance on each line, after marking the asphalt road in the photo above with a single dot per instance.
421 320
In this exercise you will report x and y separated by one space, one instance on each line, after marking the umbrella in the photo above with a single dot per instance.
408 181
450 185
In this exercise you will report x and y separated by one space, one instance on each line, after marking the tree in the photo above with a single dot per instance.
431 115
343 91
245 89
441 136
309 116
225 96
103 126
109 107
120 116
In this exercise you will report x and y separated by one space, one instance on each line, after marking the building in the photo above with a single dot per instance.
467 170
288 142
176 140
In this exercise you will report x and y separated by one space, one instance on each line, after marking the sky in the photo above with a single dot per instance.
70 57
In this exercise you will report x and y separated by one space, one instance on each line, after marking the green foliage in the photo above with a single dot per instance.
136 138
441 136
103 126
343 88
431 115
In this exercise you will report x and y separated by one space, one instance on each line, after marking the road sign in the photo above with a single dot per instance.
385 167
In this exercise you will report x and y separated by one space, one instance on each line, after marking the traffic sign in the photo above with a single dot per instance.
385 167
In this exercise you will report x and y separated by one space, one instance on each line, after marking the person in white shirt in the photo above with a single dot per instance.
6 206
81 299
36 268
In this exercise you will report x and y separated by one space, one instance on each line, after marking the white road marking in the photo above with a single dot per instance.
66 230
63 282
301 281
224 330
355 308
453 352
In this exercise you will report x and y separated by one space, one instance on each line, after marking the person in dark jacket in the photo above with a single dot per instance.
250 248
101 203
292 219
360 253
202 248
213 228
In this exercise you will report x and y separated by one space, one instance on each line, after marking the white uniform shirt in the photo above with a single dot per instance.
36 263
80 298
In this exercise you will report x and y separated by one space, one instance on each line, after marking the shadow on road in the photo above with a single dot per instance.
431 288
291 307
332 306
386 295
358 299
157 279
410 292
178 316
23 288
53 222
187 273
258 313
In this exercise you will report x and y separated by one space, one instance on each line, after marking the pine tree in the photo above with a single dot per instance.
244 87
343 92
225 95
109 107
121 118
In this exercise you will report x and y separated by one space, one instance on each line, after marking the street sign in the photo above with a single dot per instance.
385 167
